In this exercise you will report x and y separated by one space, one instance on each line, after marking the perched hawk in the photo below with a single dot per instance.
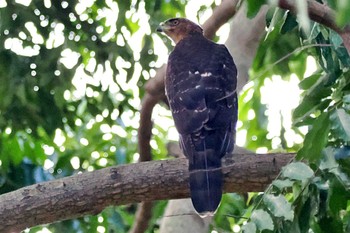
201 88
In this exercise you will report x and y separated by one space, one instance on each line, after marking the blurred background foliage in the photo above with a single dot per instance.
72 80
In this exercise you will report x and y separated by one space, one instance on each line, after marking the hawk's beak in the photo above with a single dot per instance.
160 28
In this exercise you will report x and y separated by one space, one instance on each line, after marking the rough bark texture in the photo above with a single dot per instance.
89 193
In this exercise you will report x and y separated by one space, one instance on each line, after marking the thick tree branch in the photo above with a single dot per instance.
91 192
321 14
221 14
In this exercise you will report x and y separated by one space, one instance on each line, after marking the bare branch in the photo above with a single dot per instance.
89 193
143 216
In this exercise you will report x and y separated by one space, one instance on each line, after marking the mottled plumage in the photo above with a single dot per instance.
201 88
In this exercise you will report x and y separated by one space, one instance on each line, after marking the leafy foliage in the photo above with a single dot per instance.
72 77
314 197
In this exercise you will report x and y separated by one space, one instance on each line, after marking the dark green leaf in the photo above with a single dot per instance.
254 7
307 82
338 196
315 139
289 24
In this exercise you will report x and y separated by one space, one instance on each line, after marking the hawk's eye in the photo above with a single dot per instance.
175 22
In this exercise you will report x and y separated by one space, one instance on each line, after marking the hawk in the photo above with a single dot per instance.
200 85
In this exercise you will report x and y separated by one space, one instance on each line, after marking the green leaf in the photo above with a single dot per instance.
281 184
328 161
279 206
343 9
307 82
338 196
304 215
315 98
254 7
297 65
342 153
346 102
340 123
297 171
262 220
276 17
249 228
289 24
335 38
315 139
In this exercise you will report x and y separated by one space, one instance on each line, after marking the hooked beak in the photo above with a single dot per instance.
161 27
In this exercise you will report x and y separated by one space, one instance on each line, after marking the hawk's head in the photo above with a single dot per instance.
179 28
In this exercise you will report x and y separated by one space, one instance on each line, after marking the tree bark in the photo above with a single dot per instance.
89 193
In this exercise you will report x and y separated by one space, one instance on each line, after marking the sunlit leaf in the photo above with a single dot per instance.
249 228
281 184
262 220
328 160
279 206
340 122
297 171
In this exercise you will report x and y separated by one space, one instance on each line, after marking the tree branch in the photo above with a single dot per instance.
89 193
322 14
221 14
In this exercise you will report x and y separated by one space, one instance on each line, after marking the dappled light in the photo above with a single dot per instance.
82 91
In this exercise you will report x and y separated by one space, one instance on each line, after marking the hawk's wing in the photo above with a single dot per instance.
201 89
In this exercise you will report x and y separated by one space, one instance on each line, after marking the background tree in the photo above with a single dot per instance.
73 75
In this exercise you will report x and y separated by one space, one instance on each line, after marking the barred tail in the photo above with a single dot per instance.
205 181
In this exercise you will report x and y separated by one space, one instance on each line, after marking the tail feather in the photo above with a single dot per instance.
205 182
